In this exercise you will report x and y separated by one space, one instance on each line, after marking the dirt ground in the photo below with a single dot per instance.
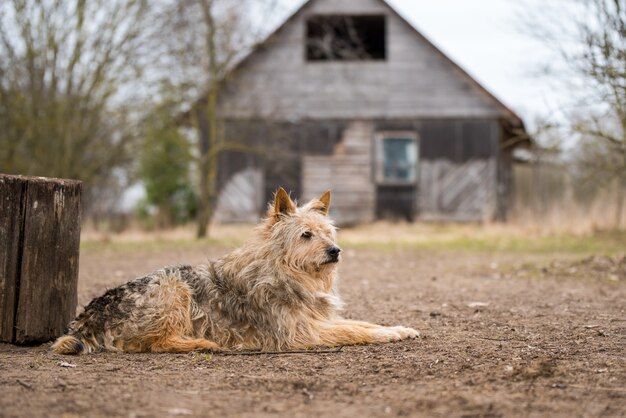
502 335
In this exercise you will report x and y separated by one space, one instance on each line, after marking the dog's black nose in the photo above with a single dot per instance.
333 251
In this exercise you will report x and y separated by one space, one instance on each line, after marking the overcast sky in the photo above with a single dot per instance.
485 38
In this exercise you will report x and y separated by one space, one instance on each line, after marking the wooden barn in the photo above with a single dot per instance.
348 96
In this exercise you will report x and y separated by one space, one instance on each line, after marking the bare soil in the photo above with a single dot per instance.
502 335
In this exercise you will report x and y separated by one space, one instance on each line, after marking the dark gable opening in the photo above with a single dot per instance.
346 38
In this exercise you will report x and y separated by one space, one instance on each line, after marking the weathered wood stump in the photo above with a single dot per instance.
39 246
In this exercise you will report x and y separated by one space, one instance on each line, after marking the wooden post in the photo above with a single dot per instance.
39 247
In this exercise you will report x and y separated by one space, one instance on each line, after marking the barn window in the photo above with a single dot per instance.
396 158
346 38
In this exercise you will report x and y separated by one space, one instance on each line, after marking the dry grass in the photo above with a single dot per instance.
570 217
514 237
549 197
218 233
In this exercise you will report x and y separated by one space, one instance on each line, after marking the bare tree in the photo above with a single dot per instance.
64 67
205 38
603 62
590 41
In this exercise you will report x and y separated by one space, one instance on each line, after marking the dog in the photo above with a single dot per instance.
277 292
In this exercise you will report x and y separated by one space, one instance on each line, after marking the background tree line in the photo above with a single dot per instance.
94 90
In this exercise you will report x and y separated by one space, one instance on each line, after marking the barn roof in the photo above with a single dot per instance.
511 116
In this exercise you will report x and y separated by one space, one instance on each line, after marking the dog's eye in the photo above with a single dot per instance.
307 234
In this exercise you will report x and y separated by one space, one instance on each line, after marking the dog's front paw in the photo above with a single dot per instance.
406 332
396 333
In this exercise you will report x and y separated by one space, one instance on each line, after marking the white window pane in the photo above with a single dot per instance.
399 158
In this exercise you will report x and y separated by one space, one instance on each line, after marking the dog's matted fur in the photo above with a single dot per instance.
277 292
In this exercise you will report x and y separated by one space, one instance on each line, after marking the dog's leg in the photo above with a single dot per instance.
357 323
183 345
170 324
406 331
346 333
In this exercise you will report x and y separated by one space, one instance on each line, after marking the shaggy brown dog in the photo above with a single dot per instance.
277 292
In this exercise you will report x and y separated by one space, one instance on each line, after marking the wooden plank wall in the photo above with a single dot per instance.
241 197
348 173
457 191
275 149
456 166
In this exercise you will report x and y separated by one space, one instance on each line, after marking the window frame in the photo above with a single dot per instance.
379 157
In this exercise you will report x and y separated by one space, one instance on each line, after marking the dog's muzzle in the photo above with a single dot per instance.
332 254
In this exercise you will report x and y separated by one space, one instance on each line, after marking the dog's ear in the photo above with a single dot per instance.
283 205
325 200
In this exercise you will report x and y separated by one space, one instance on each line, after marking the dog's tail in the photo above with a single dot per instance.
69 344
76 342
